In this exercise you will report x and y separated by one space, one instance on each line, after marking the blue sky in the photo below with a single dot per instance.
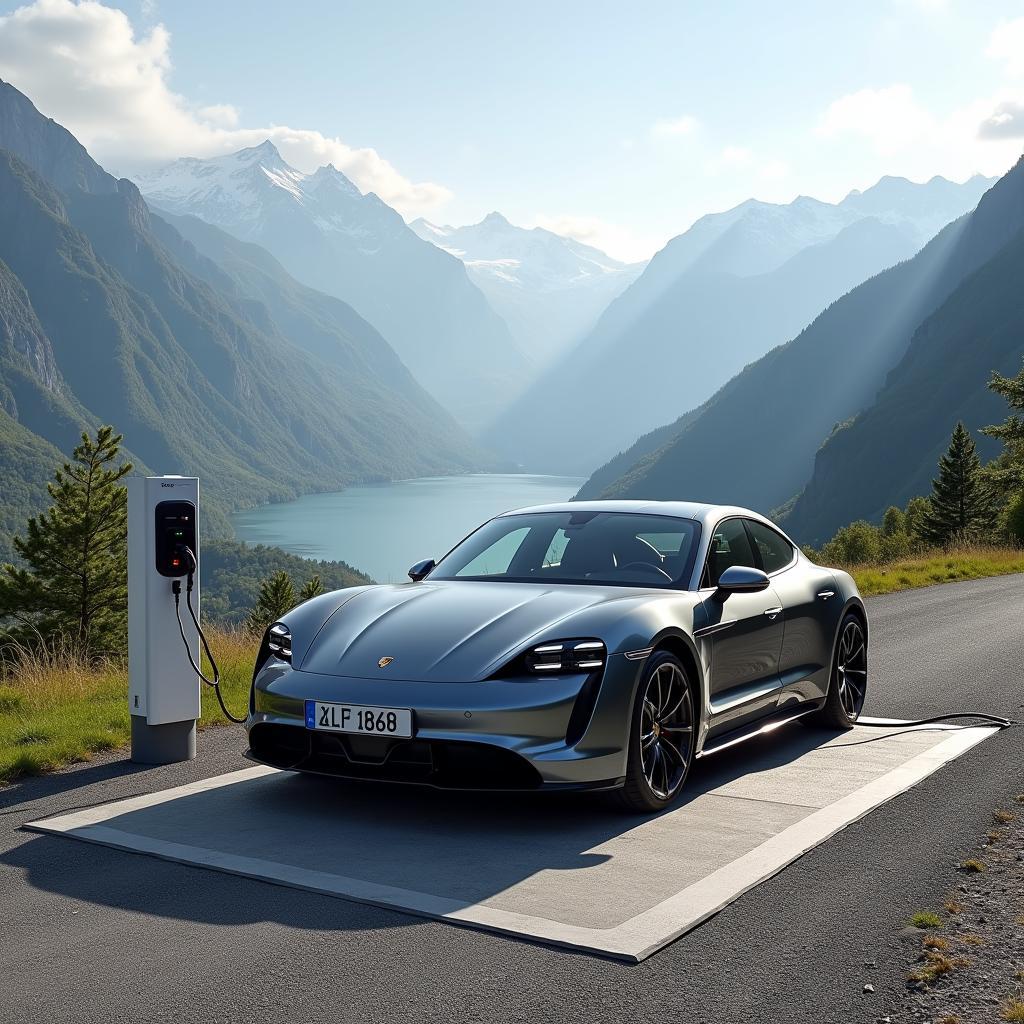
617 123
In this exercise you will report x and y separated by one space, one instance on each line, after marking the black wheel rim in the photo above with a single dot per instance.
666 730
852 669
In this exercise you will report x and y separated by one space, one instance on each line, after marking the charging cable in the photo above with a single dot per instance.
176 590
1001 723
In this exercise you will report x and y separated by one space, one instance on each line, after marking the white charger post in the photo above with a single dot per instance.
163 691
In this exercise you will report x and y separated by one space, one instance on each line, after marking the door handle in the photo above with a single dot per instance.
772 612
826 594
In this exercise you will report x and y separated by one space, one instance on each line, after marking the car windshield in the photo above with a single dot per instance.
614 548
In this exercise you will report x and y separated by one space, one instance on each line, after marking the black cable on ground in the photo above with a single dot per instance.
1002 723
215 681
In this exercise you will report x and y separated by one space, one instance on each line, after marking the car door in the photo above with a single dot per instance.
745 633
810 607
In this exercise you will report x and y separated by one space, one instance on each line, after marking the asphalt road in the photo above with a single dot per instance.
89 934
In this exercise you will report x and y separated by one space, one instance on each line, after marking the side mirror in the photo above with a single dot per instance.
420 569
740 579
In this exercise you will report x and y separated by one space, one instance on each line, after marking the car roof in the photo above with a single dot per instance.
701 511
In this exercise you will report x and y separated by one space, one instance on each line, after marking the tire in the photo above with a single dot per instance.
848 681
661 736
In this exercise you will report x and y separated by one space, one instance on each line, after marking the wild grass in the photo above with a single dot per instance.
969 563
926 919
1013 1010
936 965
57 709
972 867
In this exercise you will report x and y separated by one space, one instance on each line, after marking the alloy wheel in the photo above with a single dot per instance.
666 730
852 669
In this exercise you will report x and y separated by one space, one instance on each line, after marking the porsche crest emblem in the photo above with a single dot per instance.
384 662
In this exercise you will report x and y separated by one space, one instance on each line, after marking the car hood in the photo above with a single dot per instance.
451 631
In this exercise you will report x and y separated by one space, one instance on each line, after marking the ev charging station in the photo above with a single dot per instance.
163 688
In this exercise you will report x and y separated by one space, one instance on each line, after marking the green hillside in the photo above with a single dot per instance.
887 454
232 574
261 387
755 441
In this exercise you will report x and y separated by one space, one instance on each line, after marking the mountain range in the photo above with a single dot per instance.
333 238
195 326
549 289
850 415
719 296
242 376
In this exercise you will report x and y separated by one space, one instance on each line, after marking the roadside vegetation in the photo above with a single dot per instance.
57 708
967 962
63 619
969 527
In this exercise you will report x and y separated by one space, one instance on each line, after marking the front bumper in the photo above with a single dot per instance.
565 732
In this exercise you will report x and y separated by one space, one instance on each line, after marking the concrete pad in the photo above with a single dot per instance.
566 871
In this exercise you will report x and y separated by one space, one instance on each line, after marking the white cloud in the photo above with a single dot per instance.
889 118
918 142
1005 122
223 115
84 65
671 128
1007 44
614 239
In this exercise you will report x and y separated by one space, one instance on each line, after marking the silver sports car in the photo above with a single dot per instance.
586 645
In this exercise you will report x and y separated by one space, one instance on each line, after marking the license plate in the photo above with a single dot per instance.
360 718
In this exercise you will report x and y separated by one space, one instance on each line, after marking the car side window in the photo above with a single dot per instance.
776 552
730 546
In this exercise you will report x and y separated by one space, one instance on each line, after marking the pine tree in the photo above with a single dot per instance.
312 588
277 596
74 583
961 502
1007 471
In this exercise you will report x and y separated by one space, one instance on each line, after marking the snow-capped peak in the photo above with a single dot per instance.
530 257
237 192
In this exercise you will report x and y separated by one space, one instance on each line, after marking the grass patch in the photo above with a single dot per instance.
1003 817
927 570
56 710
952 906
972 867
926 919
1013 1010
973 940
937 965
935 942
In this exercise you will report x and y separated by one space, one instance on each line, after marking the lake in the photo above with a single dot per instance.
383 529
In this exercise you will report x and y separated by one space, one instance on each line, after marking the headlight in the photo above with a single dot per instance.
277 643
566 656
279 640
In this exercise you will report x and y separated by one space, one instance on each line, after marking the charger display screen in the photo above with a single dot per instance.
175 529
